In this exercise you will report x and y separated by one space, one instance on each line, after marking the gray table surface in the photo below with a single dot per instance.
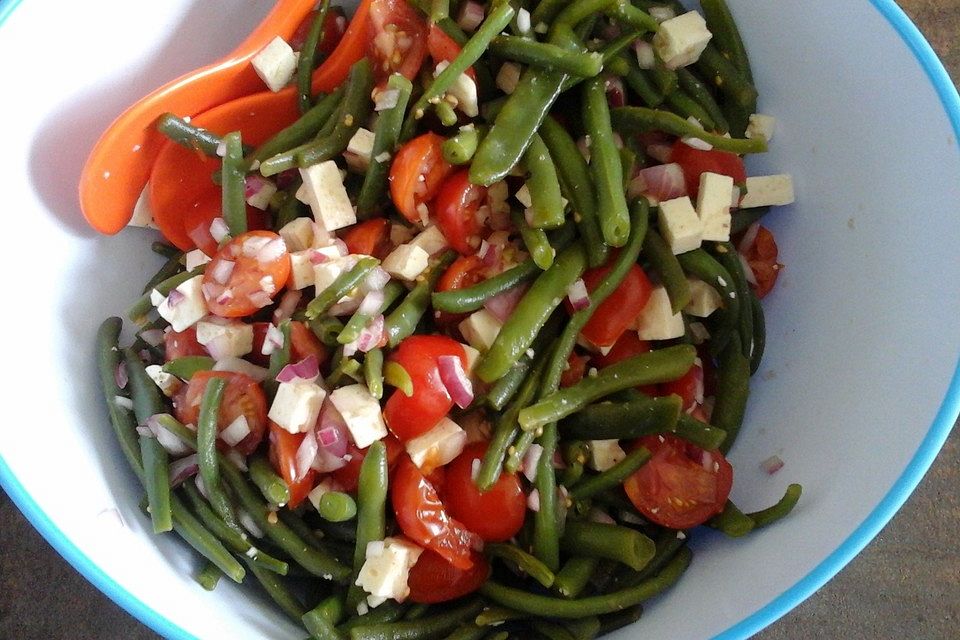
905 584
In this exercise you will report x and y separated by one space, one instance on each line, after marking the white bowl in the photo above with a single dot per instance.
857 394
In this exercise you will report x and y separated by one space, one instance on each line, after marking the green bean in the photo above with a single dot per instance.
546 11
290 208
531 313
642 84
624 420
164 249
572 579
503 390
272 487
669 543
740 94
732 522
733 387
577 185
472 298
699 433
495 615
468 631
320 620
308 57
608 541
781 509
445 113
138 310
189 136
351 331
686 107
547 56
605 165
522 560
204 542
630 15
548 519
727 256
424 628
300 131
701 264
655 367
539 605
535 240
345 367
546 208
170 268
185 367
699 92
666 79
208 576
373 372
616 621
612 477
354 110
326 329
342 286
337 507
387 612
726 35
439 9
495 22
640 119
278 591
403 321
582 629
371 517
460 148
234 203
417 611
121 419
668 268
396 376
278 360
743 218
759 333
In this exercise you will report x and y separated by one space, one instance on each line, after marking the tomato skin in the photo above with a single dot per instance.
178 344
456 210
434 580
695 162
410 416
620 310
348 476
465 271
443 48
244 282
242 396
371 238
762 257
422 156
334 24
627 346
423 518
283 457
304 343
689 387
398 39
576 369
495 515
197 220
674 489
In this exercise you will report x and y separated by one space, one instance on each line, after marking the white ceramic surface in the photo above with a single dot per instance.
855 393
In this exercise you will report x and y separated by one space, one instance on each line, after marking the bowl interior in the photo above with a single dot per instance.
862 347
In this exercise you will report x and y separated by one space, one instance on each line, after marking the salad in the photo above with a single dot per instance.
457 349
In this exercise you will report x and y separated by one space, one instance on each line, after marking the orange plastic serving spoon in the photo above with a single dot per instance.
120 163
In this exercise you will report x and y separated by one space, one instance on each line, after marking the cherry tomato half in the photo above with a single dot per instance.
456 209
696 161
261 267
416 174
283 456
241 397
495 515
370 238
178 344
398 39
433 579
620 310
762 258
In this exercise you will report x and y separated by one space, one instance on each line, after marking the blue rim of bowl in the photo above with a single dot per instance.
766 615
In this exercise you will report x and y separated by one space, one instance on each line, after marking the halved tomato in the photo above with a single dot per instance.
696 161
398 39
433 579
416 174
456 208
246 274
241 397
495 515
283 456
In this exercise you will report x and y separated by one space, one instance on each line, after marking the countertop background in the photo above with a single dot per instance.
905 584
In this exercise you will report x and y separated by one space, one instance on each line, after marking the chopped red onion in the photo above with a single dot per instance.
307 369
646 58
239 365
706 460
174 445
345 306
332 436
305 456
598 515
489 253
370 306
287 307
175 297
530 462
456 380
236 431
225 296
248 523
616 93
557 462
660 152
475 469
219 230
340 246
145 431
318 257
272 251
697 143
153 337
376 280
533 501
120 375
578 295
662 182
749 237
747 270
386 99
222 270
371 335
325 462
772 464
471 15
237 459
528 216
253 244
272 341
328 436
503 304
183 468
260 299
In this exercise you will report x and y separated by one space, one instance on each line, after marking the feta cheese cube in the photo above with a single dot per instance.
406 262
275 64
195 258
480 329
680 225
296 406
605 454
301 269
680 41
360 150
361 412
523 196
400 234
225 339
438 446
325 273
657 321
169 384
263 191
189 309
704 299
142 214
508 77
713 206
472 356
297 234
323 190
430 240
763 191
761 126
386 569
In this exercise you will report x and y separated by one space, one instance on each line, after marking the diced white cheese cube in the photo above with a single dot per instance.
704 299
275 64
297 234
438 446
761 126
326 486
605 454
263 193
523 196
430 240
195 258
480 329
464 89
301 269
323 190
169 384
360 150
406 262
189 309
680 225
680 41
657 321
508 77
713 206
225 340
142 214
386 569
763 191
361 412
296 406
325 273
472 356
